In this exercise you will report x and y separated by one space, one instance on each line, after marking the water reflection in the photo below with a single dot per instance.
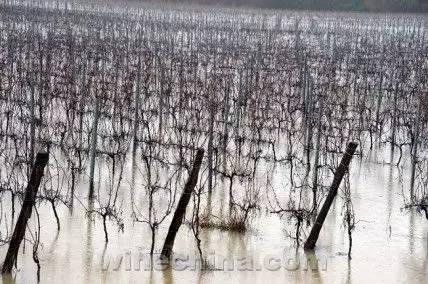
88 253
79 246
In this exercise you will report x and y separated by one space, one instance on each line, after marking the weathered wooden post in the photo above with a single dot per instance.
25 214
338 176
211 147
93 149
182 204
317 155
414 152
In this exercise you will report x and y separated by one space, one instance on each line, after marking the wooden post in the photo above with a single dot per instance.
182 204
93 150
317 155
338 176
211 147
137 107
25 214
414 154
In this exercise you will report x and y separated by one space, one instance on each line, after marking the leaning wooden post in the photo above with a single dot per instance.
182 204
338 176
25 214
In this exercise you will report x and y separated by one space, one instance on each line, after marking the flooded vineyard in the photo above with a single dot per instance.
182 144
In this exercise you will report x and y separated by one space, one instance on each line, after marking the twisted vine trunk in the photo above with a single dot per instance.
338 176
25 214
182 204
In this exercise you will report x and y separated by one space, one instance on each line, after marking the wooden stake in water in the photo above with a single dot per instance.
93 150
25 214
338 176
182 204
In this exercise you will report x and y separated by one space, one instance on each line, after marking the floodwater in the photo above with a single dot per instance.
389 244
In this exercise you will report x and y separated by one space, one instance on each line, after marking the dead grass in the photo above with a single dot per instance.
231 224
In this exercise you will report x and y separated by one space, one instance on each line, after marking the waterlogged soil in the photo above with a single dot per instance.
390 244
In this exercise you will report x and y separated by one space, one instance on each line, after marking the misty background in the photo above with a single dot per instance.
335 5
